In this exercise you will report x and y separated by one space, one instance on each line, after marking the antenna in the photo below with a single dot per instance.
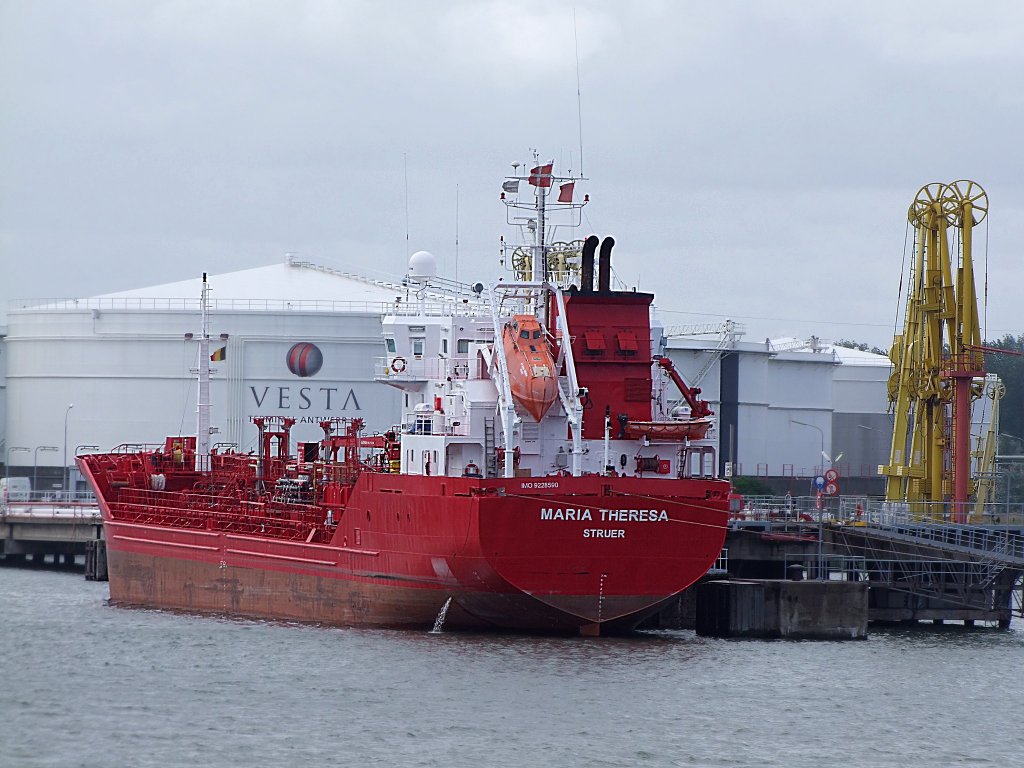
456 233
579 103
405 171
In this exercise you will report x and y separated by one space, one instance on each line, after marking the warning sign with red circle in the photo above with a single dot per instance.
832 489
832 475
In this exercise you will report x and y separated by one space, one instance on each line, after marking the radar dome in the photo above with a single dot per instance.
422 265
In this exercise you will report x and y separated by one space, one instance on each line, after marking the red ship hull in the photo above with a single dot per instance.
590 554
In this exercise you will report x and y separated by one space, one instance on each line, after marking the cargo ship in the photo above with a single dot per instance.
552 471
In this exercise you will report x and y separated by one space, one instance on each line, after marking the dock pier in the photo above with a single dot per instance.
61 531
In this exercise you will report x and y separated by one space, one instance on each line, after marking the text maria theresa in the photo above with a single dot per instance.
607 515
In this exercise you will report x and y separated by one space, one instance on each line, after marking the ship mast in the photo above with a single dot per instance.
540 260
203 398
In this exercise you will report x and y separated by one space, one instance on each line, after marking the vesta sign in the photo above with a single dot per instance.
323 398
297 394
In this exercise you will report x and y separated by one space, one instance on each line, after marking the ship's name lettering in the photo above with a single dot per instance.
565 514
606 515
635 515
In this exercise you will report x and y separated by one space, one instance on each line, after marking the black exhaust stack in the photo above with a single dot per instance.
587 267
604 265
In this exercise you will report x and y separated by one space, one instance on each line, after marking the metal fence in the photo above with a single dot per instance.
50 497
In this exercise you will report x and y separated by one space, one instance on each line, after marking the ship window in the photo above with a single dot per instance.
626 341
524 334
462 346
444 346
536 334
593 342
391 346
417 347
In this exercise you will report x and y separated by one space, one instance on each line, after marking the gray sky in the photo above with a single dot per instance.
753 160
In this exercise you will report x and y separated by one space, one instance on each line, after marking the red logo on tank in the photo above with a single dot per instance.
304 359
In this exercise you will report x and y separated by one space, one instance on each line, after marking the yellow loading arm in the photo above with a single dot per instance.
936 358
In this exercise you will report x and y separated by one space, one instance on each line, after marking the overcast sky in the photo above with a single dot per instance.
753 160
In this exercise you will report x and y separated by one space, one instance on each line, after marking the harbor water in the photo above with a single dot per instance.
86 684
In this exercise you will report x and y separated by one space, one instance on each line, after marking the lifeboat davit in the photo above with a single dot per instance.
531 369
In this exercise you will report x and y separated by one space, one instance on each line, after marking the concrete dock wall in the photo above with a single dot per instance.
820 610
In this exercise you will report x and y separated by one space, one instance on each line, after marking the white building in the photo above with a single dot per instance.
782 404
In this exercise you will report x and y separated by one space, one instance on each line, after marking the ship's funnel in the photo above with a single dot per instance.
587 266
604 265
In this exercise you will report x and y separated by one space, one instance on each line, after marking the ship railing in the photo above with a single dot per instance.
466 306
290 521
137 447
423 424
400 368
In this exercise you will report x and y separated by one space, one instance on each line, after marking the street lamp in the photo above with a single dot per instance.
35 462
64 466
80 448
7 465
820 432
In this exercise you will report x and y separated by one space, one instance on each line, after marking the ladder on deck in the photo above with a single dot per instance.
490 455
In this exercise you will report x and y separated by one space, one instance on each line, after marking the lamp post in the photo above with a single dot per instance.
80 448
11 449
821 525
820 432
64 465
35 462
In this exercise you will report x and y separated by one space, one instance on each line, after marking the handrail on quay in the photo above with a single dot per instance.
49 498
994 531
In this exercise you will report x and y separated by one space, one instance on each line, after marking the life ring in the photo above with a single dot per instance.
398 364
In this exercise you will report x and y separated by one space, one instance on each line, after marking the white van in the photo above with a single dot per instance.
15 489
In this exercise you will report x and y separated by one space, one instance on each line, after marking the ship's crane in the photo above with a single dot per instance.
938 359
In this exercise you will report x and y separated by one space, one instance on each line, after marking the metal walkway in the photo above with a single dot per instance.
968 570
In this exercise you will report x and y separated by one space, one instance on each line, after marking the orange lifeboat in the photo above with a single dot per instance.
531 370
690 429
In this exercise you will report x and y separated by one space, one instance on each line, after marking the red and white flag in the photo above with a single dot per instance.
565 192
540 176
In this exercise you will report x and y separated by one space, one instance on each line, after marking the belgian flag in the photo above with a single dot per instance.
220 354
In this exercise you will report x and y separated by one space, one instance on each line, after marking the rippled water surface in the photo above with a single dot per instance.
85 684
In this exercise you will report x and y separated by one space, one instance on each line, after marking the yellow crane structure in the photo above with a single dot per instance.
938 359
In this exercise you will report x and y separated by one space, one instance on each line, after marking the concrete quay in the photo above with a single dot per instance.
781 609
37 530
